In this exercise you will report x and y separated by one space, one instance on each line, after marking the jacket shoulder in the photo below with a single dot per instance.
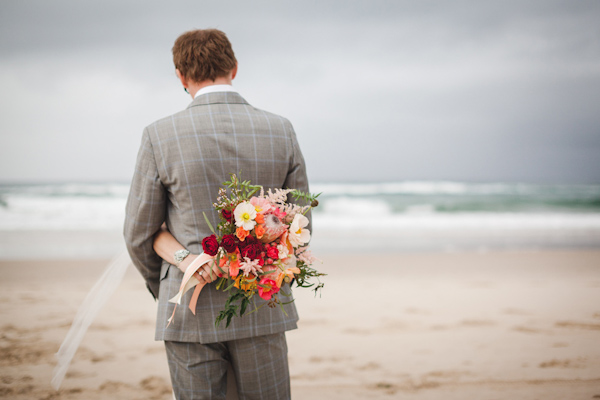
165 125
275 119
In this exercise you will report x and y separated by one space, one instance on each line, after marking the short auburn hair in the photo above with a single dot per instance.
203 54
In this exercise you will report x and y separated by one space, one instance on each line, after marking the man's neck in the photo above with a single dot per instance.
194 87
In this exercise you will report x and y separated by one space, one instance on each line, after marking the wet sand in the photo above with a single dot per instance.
523 325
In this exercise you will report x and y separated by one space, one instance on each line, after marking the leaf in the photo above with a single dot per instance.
257 308
220 283
244 305
283 309
229 287
264 286
209 224
219 319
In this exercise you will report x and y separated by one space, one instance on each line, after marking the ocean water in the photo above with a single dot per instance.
85 220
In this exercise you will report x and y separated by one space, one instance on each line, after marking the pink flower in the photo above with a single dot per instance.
261 204
305 255
278 213
267 288
270 272
273 228
250 266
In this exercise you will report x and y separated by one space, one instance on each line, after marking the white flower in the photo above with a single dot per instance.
283 251
298 234
244 215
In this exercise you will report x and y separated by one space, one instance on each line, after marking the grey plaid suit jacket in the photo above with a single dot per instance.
182 161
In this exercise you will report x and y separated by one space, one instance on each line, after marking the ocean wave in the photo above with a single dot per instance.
118 190
62 213
338 215
402 205
458 222
448 188
454 188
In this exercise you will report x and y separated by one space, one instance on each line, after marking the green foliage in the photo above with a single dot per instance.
308 198
208 223
231 308
240 190
305 275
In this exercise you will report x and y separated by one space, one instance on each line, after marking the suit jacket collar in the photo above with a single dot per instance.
218 98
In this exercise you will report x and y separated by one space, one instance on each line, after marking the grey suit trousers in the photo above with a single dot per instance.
260 364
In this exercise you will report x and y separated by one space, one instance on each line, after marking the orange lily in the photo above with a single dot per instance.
234 264
286 242
245 286
289 272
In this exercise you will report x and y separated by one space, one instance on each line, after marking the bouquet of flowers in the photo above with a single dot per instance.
260 243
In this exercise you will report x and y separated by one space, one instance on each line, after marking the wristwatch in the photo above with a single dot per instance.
180 255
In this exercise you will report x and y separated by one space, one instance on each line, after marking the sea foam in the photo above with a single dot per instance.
402 215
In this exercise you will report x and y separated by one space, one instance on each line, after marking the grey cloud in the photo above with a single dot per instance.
377 90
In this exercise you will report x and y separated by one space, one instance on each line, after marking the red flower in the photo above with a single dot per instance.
267 288
273 253
229 243
227 214
251 252
250 241
210 245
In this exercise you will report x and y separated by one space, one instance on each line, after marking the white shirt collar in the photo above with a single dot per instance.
215 88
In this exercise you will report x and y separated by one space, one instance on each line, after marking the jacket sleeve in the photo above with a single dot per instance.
144 214
296 176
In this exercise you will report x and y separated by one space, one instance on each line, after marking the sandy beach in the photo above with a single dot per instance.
496 325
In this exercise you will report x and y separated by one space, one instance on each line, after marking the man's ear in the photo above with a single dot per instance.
181 78
234 71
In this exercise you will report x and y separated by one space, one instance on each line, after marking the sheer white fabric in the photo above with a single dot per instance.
93 303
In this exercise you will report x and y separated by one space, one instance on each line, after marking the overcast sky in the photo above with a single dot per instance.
376 90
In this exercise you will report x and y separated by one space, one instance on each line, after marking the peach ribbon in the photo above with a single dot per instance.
188 282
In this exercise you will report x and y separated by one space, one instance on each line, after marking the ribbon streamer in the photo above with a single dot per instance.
188 282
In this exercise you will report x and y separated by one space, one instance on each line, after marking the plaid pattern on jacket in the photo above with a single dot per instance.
182 161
